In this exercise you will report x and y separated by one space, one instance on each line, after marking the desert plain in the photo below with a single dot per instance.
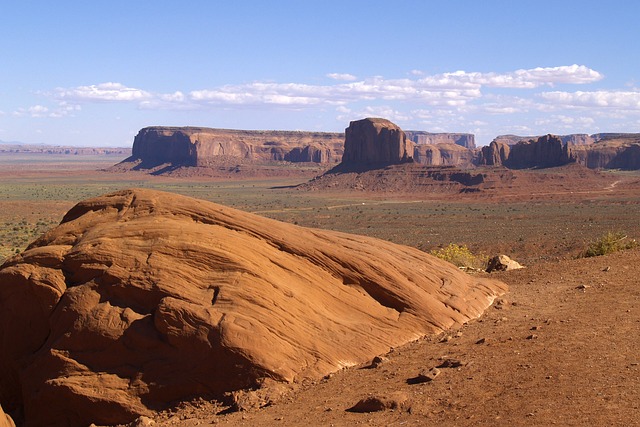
561 347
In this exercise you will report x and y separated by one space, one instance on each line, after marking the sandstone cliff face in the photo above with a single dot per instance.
574 139
466 140
598 151
615 154
494 154
546 151
375 142
443 155
191 146
140 299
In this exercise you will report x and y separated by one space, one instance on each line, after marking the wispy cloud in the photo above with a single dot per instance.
110 92
448 89
524 100
597 99
63 109
342 76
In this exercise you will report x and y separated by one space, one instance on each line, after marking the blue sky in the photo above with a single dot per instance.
95 72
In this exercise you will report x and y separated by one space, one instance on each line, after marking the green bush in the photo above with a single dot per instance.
460 256
609 243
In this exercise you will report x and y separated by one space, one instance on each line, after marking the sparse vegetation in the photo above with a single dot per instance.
609 243
460 256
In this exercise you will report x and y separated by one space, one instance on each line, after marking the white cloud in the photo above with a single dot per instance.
451 90
567 122
598 99
37 111
342 76
378 111
109 92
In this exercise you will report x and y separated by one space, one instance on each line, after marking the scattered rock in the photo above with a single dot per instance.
583 287
377 361
452 363
502 263
143 422
394 401
532 337
607 268
446 338
481 341
424 376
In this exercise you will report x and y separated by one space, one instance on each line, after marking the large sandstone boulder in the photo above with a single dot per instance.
140 299
375 142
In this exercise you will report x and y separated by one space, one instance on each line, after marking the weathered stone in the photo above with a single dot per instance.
502 263
466 140
394 401
375 142
425 376
140 299
195 146
443 155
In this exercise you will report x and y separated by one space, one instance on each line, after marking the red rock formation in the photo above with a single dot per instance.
443 155
375 142
546 151
613 154
494 154
574 138
192 146
140 299
466 140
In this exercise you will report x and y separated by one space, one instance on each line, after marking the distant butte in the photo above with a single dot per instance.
161 149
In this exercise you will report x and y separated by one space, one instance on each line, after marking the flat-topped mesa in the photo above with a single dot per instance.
375 142
466 140
547 151
573 138
197 146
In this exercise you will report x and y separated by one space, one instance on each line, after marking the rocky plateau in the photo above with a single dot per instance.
356 149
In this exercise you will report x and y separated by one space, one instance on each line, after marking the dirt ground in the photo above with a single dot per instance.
561 348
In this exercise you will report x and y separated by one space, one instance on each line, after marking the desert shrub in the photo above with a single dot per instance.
609 243
460 256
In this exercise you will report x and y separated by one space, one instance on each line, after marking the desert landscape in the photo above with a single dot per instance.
287 278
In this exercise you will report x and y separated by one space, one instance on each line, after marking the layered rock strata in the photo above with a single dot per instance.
192 146
466 140
375 142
